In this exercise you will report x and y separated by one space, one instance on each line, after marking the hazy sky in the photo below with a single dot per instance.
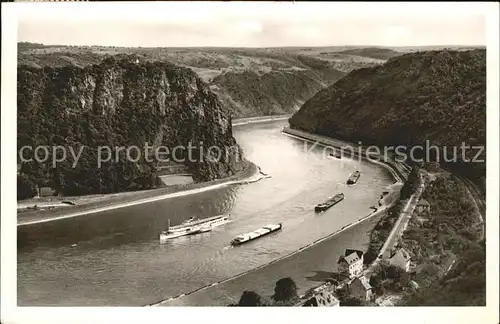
254 24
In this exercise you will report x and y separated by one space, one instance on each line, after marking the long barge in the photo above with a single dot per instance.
263 231
329 203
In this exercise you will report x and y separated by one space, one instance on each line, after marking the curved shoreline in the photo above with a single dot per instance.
156 194
127 198
256 175
301 249
324 141
398 177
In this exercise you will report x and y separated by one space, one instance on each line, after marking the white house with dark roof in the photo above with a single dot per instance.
401 259
351 263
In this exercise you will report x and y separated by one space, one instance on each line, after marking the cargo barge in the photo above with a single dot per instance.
354 177
265 230
329 203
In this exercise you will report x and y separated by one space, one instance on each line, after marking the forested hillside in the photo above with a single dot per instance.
435 96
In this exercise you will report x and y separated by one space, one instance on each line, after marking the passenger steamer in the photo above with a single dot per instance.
192 226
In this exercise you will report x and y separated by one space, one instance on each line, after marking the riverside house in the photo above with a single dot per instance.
423 206
361 289
322 296
351 263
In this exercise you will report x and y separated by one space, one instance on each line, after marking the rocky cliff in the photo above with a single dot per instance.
120 103
434 96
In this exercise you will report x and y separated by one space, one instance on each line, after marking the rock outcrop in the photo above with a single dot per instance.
121 103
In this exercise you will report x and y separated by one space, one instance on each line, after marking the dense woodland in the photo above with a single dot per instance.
116 103
447 235
435 96
448 231
464 285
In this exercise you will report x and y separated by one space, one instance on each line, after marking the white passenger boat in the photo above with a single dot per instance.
192 226
265 230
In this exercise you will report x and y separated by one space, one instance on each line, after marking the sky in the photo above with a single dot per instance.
257 24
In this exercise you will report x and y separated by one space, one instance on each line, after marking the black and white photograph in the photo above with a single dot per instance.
266 154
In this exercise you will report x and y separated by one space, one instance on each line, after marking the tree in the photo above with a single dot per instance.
412 183
432 166
25 187
343 293
352 302
285 290
250 298
394 272
377 285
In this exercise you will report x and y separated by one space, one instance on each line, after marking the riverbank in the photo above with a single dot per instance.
454 240
98 203
311 258
384 237
36 210
398 170
201 295
128 264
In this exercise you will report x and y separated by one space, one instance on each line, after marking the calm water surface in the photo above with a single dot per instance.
115 258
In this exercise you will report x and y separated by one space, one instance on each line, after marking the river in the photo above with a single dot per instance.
114 258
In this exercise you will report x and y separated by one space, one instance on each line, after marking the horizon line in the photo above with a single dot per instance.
257 47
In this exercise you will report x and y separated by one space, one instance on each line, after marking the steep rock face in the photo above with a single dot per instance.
439 96
277 92
274 89
121 103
